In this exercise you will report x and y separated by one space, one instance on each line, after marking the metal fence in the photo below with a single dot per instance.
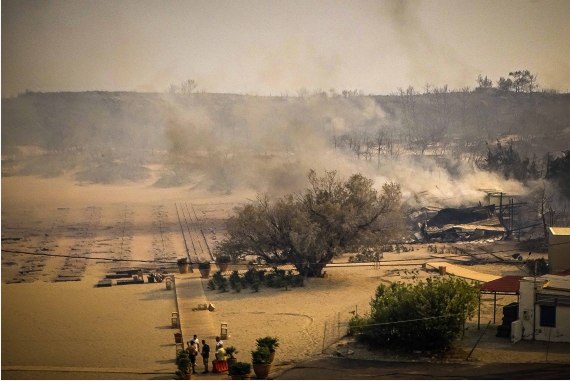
337 326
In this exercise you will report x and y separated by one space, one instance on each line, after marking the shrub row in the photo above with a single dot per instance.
252 278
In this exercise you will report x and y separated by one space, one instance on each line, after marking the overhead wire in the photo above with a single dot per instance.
380 263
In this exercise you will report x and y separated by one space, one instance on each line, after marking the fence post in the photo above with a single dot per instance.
324 338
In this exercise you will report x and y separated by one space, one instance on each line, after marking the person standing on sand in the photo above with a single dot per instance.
193 352
197 342
219 342
205 355
221 353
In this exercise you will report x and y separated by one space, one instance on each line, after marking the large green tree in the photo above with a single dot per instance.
310 228
425 315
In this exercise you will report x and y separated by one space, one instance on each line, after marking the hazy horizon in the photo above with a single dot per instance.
274 48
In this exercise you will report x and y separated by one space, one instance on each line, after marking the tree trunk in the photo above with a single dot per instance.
312 270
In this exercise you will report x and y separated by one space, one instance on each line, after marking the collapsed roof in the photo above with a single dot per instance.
452 224
453 216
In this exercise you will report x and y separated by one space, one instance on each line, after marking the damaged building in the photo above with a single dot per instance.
454 224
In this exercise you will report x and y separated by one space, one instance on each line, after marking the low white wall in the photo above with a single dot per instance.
529 315
559 333
526 308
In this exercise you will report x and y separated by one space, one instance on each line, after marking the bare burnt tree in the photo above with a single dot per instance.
543 206
523 81
484 82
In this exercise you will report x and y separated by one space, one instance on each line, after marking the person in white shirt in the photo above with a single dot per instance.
219 342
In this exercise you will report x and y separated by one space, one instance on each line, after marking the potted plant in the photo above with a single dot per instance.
204 268
182 265
223 261
231 352
260 360
183 364
239 370
271 343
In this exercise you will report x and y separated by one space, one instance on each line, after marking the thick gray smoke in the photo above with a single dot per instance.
226 143
260 143
426 55
257 143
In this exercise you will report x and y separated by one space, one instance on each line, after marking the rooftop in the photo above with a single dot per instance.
557 282
506 284
559 231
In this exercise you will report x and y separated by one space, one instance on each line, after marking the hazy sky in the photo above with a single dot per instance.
273 47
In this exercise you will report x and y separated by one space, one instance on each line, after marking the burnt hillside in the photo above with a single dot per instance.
97 129
127 120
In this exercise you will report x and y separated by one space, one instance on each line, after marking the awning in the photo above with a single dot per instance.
509 284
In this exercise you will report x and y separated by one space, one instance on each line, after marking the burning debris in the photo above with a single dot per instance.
458 224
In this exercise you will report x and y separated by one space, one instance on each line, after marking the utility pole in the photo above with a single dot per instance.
501 208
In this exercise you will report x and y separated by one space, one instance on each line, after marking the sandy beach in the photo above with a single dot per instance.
48 325
124 331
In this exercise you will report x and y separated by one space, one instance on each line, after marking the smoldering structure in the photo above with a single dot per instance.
497 216
453 224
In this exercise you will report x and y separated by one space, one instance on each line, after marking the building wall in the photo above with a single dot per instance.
529 314
559 333
526 307
558 251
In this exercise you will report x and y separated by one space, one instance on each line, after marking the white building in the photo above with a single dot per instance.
558 249
544 309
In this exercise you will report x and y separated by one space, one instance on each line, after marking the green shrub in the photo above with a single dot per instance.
223 287
251 276
218 278
424 316
357 325
239 369
276 282
183 362
297 281
235 280
260 355
261 275
271 342
231 351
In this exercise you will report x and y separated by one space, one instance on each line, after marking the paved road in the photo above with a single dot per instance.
344 369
